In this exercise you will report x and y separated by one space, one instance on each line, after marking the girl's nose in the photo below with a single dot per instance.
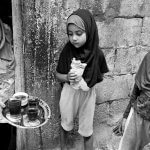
74 37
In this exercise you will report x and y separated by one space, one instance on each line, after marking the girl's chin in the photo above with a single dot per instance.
77 46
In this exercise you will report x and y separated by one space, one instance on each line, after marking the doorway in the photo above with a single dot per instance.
6 12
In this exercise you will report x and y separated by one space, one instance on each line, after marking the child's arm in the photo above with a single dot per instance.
70 77
62 77
134 95
119 129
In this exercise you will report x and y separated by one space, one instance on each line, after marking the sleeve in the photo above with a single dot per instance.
134 95
62 66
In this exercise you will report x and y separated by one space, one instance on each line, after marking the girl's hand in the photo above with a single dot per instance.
119 129
2 119
71 77
2 105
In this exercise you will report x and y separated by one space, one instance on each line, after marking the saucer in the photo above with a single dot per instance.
28 123
22 96
13 118
23 120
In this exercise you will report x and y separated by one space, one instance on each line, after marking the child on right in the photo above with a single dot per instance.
135 124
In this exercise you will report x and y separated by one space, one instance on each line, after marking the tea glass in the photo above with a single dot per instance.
33 103
32 114
14 106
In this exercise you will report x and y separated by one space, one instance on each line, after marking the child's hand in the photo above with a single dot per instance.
71 77
119 129
2 105
2 119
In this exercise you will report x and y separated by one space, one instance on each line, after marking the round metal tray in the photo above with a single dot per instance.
22 121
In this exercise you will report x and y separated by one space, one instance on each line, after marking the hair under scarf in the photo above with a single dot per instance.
89 53
74 19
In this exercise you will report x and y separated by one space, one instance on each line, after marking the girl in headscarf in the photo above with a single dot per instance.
81 65
136 118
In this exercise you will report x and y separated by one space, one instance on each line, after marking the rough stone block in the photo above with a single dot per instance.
114 88
104 139
101 114
110 58
120 33
145 35
131 8
116 110
145 8
71 5
128 60
106 117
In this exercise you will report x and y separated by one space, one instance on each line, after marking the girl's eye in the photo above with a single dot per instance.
79 33
70 33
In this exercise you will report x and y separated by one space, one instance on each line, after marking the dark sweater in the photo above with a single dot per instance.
133 97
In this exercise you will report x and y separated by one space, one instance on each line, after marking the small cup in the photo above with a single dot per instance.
22 96
14 106
33 103
32 114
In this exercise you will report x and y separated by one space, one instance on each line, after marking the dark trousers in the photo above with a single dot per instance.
7 137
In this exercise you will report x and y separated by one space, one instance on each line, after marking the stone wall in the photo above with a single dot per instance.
124 37
124 32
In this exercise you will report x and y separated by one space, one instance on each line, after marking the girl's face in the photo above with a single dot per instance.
76 35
